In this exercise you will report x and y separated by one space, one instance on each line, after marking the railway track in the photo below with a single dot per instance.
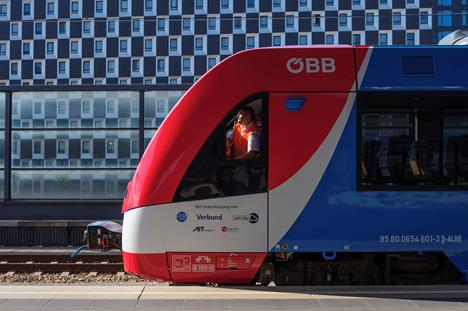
57 263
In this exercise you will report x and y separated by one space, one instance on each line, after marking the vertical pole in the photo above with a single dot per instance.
7 149
141 123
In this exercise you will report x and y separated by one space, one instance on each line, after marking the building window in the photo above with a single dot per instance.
224 43
329 2
329 39
383 39
86 147
276 3
186 24
174 5
75 7
173 44
370 19
3 9
14 29
86 66
303 40
410 38
62 67
50 8
212 23
136 26
61 147
148 45
110 147
250 42
198 44
62 28
383 2
424 18
211 62
111 66
290 21
263 21
3 49
98 46
161 24
343 20
14 69
356 2
124 6
111 26
37 68
224 4
237 22
397 18
186 64
99 6
317 20
37 147
199 4
61 108
356 39
135 65
27 9
38 28
50 48
110 107
26 48
87 27
74 47
148 5
161 65
276 40
123 46
250 4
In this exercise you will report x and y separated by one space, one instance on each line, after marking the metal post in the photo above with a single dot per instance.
141 123
7 149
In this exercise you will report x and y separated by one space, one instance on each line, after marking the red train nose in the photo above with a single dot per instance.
147 266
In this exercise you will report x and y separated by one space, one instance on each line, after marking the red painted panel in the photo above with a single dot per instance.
218 92
221 268
296 135
147 266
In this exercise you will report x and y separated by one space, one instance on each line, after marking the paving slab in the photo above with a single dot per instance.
201 304
113 304
159 304
67 304
29 304
251 304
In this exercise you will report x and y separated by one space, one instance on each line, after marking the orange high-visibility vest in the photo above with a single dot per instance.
241 139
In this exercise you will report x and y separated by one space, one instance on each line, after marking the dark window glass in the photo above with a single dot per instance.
414 142
27 9
215 172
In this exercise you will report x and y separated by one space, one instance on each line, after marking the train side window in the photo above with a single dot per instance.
222 168
413 142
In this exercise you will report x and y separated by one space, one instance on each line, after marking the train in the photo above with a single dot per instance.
360 173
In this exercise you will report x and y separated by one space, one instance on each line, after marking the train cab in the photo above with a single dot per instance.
200 210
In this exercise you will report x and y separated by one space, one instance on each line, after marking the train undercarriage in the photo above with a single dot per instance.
358 269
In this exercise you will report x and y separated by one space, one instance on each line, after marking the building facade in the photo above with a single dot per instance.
175 41
85 84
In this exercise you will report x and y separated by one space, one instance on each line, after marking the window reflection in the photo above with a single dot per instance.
53 184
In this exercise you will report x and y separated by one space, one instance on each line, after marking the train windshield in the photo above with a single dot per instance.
233 159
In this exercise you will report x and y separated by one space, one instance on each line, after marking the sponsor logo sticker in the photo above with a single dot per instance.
181 216
229 229
201 229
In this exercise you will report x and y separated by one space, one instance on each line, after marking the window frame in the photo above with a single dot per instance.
219 134
436 97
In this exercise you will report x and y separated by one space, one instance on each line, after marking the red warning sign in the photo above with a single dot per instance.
234 262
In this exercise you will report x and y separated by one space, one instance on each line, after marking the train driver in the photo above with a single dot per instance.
243 141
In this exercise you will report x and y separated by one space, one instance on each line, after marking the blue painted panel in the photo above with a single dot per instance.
338 218
387 66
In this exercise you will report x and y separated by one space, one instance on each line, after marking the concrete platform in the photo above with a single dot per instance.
232 298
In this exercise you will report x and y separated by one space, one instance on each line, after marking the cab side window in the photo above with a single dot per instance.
233 160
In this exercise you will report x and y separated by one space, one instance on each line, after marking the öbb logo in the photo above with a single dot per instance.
311 65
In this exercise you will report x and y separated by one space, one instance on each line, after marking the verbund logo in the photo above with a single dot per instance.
311 65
